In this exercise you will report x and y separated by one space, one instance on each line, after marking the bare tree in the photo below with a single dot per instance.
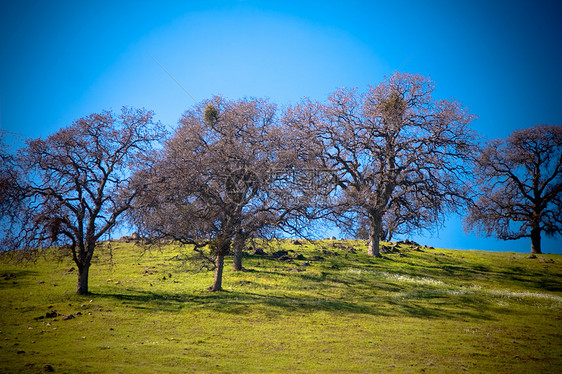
75 184
212 183
8 182
394 150
520 186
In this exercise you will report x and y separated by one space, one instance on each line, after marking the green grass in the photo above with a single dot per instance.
428 310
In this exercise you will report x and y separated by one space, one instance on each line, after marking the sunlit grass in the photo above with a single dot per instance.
336 310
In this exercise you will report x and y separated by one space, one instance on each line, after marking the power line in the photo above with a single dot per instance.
171 77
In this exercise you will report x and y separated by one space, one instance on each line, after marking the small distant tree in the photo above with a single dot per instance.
74 185
212 184
397 155
8 182
520 186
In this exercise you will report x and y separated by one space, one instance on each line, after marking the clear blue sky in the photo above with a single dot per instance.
61 60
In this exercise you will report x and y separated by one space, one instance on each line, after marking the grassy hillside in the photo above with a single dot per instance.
331 309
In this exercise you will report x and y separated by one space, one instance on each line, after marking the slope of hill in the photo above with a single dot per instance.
320 307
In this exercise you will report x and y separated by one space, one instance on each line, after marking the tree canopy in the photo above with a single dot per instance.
390 160
73 186
520 186
213 182
397 155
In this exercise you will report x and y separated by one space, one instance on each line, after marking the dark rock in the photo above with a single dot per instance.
259 251
532 256
279 254
48 369
286 258
335 244
386 249
296 242
52 314
408 242
67 317
300 257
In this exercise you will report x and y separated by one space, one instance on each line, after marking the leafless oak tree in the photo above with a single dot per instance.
520 186
212 184
74 185
8 183
394 150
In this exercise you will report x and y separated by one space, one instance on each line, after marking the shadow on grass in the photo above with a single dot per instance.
16 277
371 291
507 276
418 305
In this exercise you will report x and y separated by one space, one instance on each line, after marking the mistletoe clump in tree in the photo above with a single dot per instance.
399 157
212 185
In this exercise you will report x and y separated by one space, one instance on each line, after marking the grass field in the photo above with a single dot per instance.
331 310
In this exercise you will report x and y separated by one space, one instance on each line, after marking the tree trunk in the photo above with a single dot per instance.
219 265
238 250
82 285
375 230
536 241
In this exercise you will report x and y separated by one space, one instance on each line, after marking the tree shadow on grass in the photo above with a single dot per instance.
506 276
368 292
235 303
230 302
15 277
454 308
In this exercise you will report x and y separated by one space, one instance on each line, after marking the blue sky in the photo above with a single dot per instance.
61 60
